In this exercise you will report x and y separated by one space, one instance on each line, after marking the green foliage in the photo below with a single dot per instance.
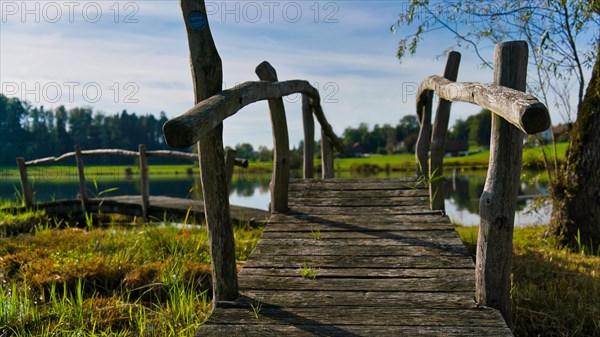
150 280
384 139
33 132
554 290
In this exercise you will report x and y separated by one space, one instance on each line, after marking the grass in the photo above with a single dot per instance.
134 280
555 291
309 270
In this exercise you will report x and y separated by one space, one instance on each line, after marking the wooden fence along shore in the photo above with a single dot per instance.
119 204
359 257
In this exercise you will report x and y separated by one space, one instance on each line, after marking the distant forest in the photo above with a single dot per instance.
34 132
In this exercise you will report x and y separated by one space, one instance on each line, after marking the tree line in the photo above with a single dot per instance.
36 132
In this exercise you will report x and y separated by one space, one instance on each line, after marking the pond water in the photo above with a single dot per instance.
462 191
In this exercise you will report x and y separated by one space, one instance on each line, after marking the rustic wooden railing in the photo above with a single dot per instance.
143 155
513 114
203 124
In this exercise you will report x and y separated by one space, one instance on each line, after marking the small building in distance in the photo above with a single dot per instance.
457 148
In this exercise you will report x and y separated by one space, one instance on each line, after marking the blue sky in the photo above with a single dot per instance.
133 55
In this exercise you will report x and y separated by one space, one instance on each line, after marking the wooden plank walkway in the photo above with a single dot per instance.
385 265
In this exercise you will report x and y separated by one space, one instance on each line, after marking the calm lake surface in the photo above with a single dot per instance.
462 191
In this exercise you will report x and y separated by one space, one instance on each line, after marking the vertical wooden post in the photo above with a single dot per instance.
309 138
326 157
229 164
499 198
423 141
281 144
438 139
82 187
207 74
144 183
27 195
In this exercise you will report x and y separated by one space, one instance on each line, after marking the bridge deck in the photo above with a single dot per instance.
384 265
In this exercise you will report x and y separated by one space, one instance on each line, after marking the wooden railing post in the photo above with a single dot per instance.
82 187
498 201
423 141
309 138
326 157
229 164
281 148
144 183
438 139
207 74
25 187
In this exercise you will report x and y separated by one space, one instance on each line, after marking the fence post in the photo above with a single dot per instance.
144 183
281 144
207 75
438 139
326 156
309 138
82 187
27 195
229 164
424 139
499 198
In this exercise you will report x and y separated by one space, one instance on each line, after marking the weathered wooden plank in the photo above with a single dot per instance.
425 236
301 330
306 218
342 185
342 210
357 227
369 273
357 316
365 298
316 250
522 110
456 283
450 243
361 202
326 194
334 261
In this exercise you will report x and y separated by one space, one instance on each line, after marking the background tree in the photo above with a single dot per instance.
563 37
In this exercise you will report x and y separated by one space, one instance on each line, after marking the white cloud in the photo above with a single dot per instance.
353 61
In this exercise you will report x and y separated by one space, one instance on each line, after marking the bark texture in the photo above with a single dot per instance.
576 194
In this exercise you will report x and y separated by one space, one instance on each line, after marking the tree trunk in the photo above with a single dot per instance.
576 193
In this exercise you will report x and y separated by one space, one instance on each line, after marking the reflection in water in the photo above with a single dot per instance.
462 192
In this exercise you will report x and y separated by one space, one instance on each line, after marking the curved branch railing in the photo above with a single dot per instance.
513 113
143 155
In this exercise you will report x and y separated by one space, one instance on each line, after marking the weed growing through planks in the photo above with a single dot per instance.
256 308
309 270
315 233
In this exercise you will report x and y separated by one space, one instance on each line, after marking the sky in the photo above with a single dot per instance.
133 55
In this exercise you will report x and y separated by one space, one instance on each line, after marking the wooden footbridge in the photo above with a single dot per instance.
359 257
